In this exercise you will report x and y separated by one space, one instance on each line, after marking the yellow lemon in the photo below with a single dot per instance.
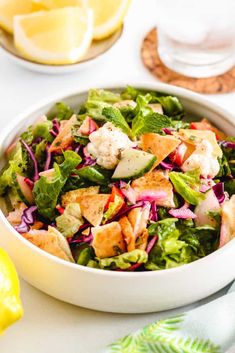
10 8
108 16
55 4
59 36
10 305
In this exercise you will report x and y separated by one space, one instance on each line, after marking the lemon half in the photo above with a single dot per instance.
59 36
10 8
10 305
55 4
108 15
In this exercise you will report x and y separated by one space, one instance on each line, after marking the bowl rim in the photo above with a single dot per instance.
157 86
119 32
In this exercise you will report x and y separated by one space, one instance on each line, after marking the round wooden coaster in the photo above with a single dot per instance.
218 84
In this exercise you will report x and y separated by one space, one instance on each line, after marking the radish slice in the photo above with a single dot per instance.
209 204
183 212
149 195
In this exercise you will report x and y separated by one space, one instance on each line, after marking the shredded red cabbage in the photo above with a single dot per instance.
27 219
53 133
165 165
127 209
153 212
168 131
219 191
31 154
78 148
55 125
151 244
48 159
183 212
228 144
82 239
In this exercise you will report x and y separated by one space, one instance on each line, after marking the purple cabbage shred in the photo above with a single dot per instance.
27 219
219 191
31 155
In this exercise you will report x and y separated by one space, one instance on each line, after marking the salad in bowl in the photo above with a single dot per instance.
127 182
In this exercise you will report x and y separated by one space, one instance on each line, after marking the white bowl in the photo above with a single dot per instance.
96 52
119 291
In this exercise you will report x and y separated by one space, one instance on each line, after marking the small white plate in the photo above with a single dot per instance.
95 52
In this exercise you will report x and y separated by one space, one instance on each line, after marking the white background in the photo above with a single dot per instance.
48 324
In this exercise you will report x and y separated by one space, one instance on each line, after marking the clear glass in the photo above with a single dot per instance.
196 37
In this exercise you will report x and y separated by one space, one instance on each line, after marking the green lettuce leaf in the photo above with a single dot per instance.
70 221
17 164
43 130
95 174
187 184
47 190
98 100
61 111
180 242
224 167
124 261
229 157
103 95
170 104
86 257
114 116
229 186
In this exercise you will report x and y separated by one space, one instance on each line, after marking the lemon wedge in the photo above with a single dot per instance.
59 36
108 16
55 4
10 305
10 8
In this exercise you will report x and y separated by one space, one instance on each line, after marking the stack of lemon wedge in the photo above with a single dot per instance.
10 305
60 31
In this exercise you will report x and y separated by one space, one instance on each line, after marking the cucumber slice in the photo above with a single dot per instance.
133 164
23 190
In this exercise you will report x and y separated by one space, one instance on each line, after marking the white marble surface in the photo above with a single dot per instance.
48 324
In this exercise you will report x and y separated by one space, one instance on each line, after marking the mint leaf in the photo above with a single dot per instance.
114 116
153 122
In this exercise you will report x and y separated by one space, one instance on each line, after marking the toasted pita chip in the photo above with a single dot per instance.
75 195
37 225
52 241
155 182
92 207
138 218
160 146
108 240
14 217
142 240
196 136
204 124
227 231
128 233
65 137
